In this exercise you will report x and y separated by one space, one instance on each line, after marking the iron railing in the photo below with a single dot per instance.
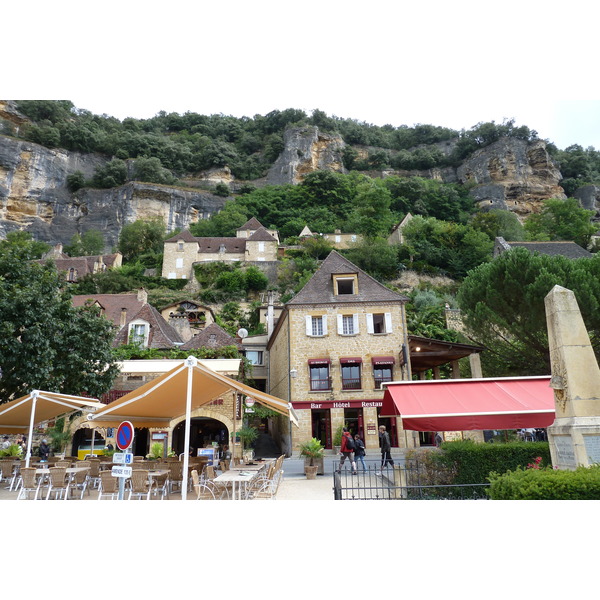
397 483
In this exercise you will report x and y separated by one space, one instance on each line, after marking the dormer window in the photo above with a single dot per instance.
345 285
139 332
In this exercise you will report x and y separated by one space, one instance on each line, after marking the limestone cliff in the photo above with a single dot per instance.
34 197
306 150
512 174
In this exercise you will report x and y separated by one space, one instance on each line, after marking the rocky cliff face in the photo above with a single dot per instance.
306 150
512 174
34 197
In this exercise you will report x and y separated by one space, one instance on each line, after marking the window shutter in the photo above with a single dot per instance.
308 325
370 328
324 319
355 319
340 325
388 322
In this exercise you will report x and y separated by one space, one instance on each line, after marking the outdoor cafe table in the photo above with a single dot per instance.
241 477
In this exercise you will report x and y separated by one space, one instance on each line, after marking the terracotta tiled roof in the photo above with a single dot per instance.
212 245
113 305
162 335
212 336
261 235
251 225
319 289
186 236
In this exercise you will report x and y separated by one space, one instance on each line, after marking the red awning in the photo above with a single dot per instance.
352 360
466 404
383 360
319 361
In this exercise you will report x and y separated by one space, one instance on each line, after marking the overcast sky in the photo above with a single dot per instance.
402 63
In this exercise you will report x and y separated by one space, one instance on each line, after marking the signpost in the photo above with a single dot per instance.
124 439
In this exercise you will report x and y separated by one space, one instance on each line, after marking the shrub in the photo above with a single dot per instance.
473 462
546 484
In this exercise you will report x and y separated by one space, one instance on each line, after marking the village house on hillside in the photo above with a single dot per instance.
134 319
76 268
334 344
568 249
253 244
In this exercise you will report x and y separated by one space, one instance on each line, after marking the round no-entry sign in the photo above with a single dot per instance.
124 437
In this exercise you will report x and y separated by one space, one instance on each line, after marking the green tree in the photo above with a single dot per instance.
561 220
152 171
45 342
376 257
502 303
112 174
90 243
371 215
22 242
141 237
499 223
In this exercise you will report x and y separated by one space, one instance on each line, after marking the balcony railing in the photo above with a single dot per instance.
351 384
320 385
380 380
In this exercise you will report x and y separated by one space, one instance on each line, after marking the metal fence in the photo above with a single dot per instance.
397 483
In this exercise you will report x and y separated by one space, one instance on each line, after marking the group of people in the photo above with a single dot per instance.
353 449
20 441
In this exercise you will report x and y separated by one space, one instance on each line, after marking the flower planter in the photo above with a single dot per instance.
311 472
318 462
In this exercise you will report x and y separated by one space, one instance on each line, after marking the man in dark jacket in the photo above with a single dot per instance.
347 450
44 450
386 447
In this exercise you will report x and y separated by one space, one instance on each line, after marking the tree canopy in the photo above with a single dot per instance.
502 303
45 342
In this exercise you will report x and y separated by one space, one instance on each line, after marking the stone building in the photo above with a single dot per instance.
253 244
568 249
335 343
76 268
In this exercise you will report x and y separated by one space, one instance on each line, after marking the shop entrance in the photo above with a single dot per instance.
203 432
321 427
390 427
353 419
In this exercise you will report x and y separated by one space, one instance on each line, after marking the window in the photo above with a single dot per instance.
179 263
180 246
381 374
351 376
348 324
255 356
261 246
138 334
316 325
382 369
379 323
345 284
319 375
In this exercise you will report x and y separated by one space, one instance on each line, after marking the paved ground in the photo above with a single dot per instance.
294 485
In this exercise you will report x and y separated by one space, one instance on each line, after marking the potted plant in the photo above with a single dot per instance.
337 440
247 436
157 450
312 451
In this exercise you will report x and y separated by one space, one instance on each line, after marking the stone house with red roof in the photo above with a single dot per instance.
253 244
76 268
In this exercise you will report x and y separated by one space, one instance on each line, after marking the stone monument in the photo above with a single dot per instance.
575 434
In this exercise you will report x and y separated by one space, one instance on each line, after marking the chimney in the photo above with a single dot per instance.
142 296
269 314
123 318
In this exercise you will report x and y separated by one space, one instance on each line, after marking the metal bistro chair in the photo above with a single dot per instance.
175 474
94 473
220 489
109 486
203 490
139 484
8 473
80 482
29 484
58 484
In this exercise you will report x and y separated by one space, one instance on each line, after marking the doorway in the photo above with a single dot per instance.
204 431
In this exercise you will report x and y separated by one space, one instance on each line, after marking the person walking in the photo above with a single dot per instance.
347 451
386 447
359 451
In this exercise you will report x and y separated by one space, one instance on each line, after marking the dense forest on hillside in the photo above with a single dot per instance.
173 145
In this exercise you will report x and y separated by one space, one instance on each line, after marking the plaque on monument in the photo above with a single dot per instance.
564 450
592 447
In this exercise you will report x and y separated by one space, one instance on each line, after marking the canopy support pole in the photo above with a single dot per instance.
34 396
190 362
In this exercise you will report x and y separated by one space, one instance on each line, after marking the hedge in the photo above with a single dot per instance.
473 462
546 484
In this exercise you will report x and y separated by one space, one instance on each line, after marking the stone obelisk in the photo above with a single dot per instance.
575 434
